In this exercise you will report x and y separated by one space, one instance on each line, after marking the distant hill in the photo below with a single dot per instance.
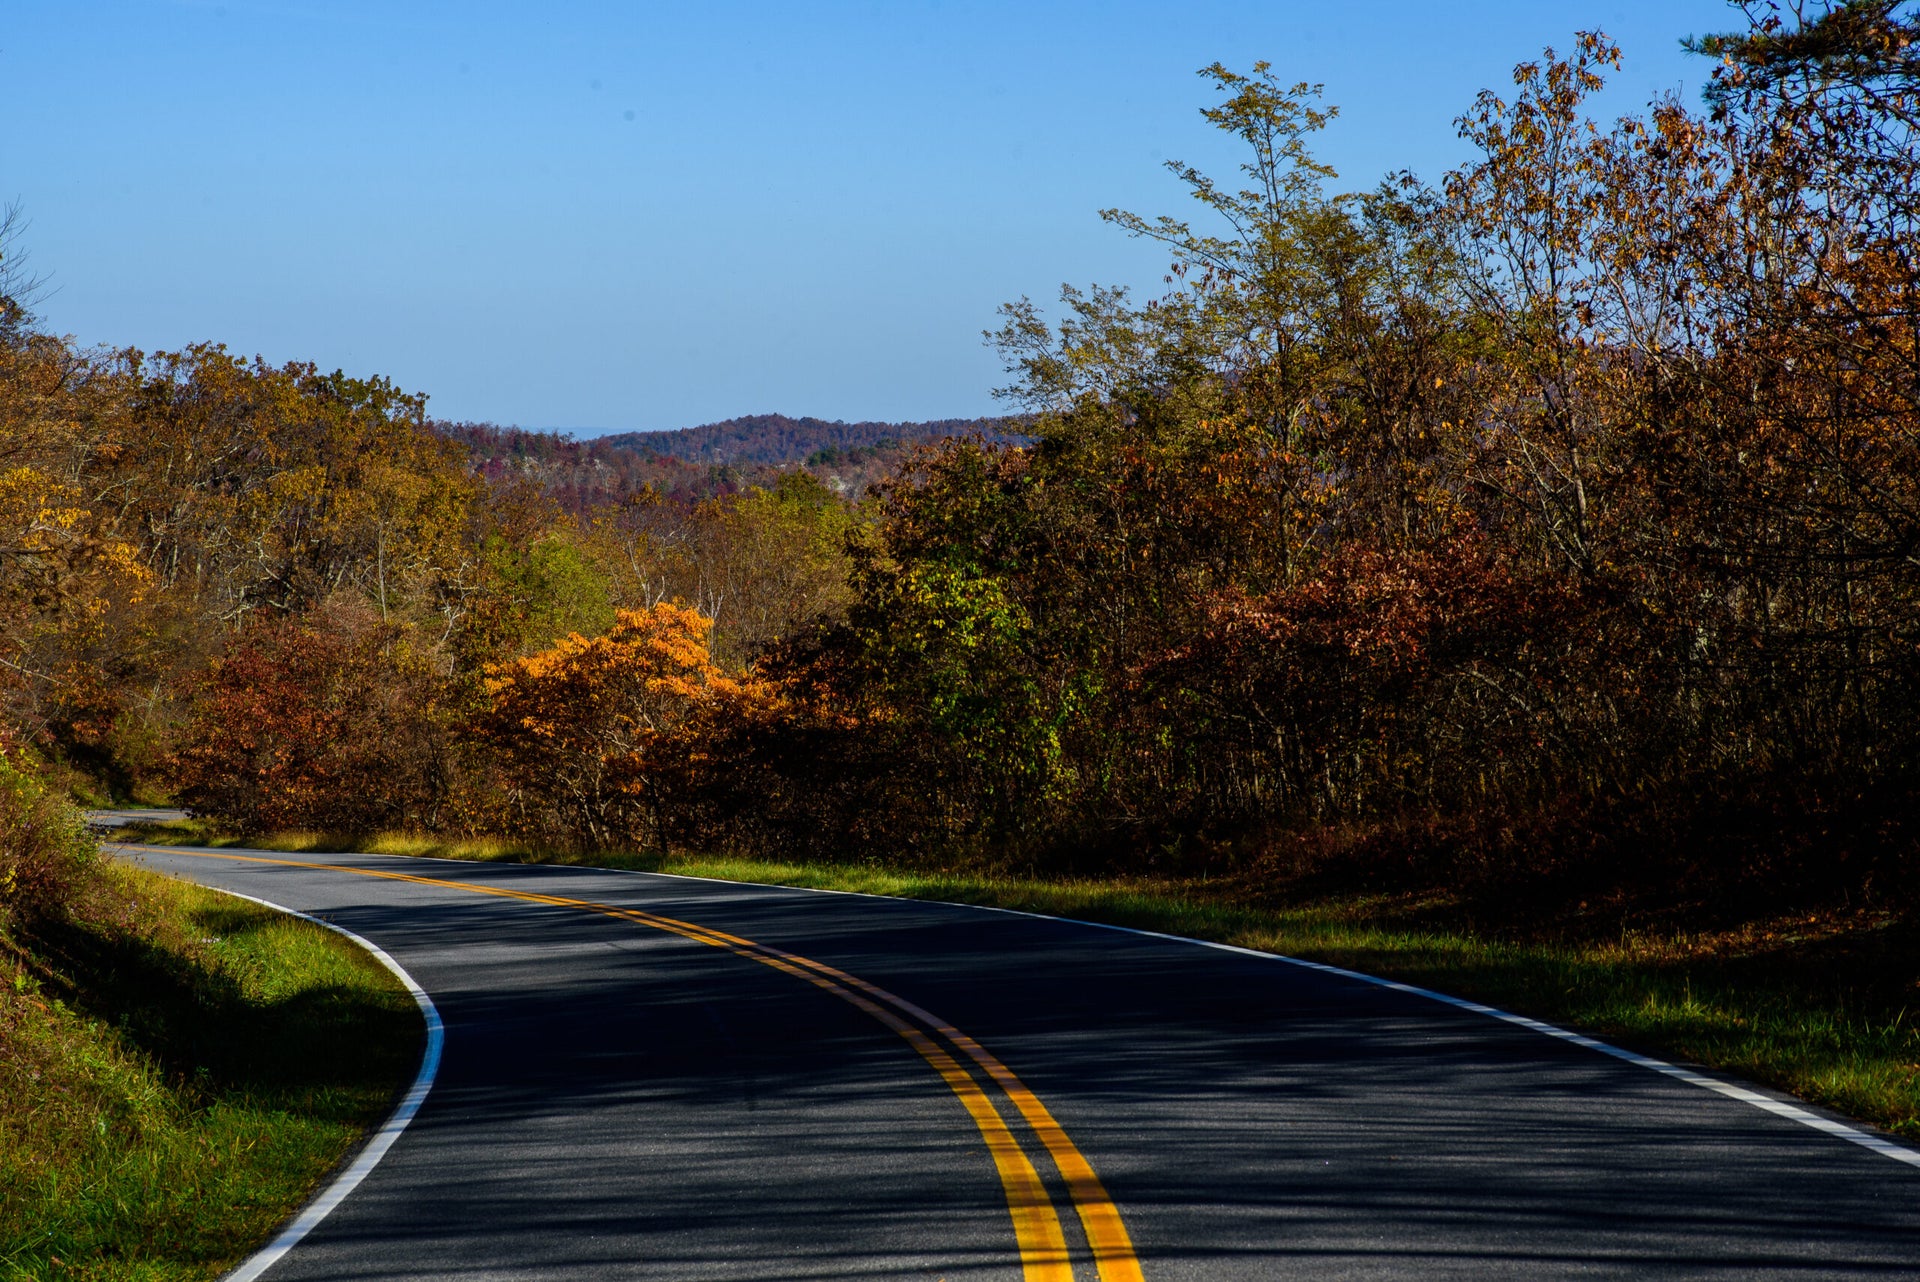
777 439
583 475
697 463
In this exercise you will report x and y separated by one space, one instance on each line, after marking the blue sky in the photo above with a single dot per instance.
631 216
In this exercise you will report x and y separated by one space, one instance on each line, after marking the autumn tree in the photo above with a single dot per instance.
333 722
253 487
761 564
591 733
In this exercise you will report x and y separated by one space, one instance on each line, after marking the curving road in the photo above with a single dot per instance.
666 1078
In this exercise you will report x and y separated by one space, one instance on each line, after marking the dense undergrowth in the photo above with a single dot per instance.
178 1068
1821 1005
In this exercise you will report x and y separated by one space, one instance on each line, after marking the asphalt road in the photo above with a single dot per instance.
625 1099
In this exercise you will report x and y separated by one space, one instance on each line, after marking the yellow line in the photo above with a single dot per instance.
1036 1226
1106 1232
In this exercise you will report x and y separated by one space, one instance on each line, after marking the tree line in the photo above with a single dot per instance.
1557 522
170 521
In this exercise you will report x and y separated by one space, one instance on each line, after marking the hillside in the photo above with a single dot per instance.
777 439
581 475
696 463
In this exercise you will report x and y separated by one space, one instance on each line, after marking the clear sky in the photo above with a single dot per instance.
612 216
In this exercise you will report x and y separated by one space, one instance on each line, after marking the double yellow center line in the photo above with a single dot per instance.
1036 1225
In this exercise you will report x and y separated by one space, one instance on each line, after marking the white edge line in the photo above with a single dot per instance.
376 1147
1732 1090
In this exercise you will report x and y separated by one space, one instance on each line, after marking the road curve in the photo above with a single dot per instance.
660 1077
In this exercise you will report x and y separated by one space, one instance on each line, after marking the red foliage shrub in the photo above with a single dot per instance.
329 723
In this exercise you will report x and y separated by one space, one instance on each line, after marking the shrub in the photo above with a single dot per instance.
45 853
329 722
597 738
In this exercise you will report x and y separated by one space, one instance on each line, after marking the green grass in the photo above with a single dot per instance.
1824 1006
181 1069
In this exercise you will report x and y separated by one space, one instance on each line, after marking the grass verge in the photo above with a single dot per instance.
178 1070
1821 1006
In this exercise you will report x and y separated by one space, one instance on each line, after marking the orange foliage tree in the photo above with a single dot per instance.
597 738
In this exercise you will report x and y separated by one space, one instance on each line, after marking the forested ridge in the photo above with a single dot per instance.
776 438
710 461
1551 529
